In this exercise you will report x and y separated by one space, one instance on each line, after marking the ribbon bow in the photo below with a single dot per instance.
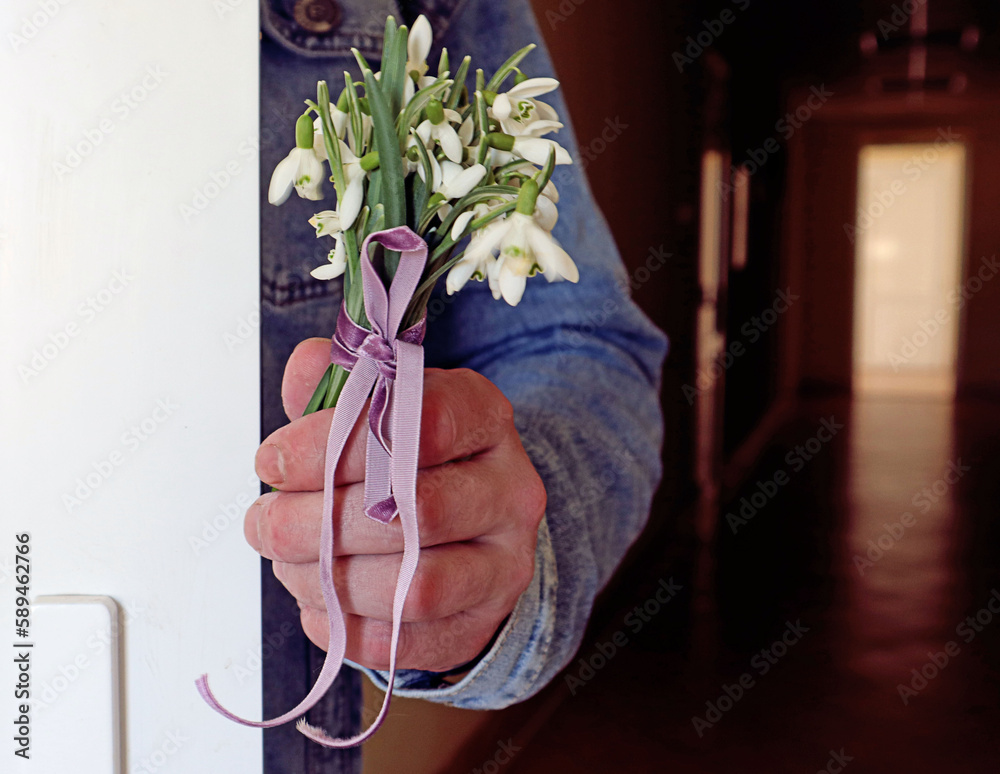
392 364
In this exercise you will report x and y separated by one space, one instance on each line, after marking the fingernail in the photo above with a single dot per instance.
278 568
270 465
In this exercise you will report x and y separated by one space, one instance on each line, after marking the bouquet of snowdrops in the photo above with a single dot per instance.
406 148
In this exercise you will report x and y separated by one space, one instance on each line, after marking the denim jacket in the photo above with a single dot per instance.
579 362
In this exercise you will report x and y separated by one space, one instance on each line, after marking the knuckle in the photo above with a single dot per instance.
272 527
429 507
424 598
438 426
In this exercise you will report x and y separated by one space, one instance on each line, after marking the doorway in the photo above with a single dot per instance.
908 240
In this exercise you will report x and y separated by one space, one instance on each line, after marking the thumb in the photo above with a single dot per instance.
303 371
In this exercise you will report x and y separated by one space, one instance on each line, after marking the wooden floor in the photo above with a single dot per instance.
874 554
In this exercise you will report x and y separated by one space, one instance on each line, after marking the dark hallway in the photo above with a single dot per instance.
877 563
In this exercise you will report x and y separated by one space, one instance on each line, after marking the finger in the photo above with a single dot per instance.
434 646
449 579
293 457
455 502
464 413
305 367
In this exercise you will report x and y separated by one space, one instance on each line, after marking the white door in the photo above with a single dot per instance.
129 381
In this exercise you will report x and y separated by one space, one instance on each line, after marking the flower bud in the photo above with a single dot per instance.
500 141
435 111
527 197
369 161
304 132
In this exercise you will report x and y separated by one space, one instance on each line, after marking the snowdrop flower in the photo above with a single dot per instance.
340 119
478 256
437 128
301 169
525 249
517 111
533 149
327 223
456 182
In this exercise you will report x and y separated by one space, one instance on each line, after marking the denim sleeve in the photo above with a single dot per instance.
581 366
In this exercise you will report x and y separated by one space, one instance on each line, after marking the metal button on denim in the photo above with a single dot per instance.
317 16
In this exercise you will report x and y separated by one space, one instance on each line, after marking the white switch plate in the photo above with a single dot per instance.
75 711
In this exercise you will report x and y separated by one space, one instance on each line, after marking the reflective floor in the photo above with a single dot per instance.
852 621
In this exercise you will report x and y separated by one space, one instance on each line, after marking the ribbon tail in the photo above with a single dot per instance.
406 411
379 503
345 415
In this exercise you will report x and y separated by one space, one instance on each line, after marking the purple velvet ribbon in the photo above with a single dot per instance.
388 365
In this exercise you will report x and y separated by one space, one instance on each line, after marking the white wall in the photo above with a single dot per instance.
129 373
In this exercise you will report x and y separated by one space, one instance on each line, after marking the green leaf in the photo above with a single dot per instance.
393 65
545 174
459 84
319 396
412 111
330 138
507 68
357 122
393 194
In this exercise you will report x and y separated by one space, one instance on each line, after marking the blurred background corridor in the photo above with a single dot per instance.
819 585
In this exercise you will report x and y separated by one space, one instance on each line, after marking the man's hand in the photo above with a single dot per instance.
479 504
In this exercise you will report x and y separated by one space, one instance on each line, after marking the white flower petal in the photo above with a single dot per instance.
462 183
466 130
501 107
459 274
418 43
308 174
533 87
536 150
448 139
460 223
511 285
555 261
546 213
353 199
282 180
327 271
